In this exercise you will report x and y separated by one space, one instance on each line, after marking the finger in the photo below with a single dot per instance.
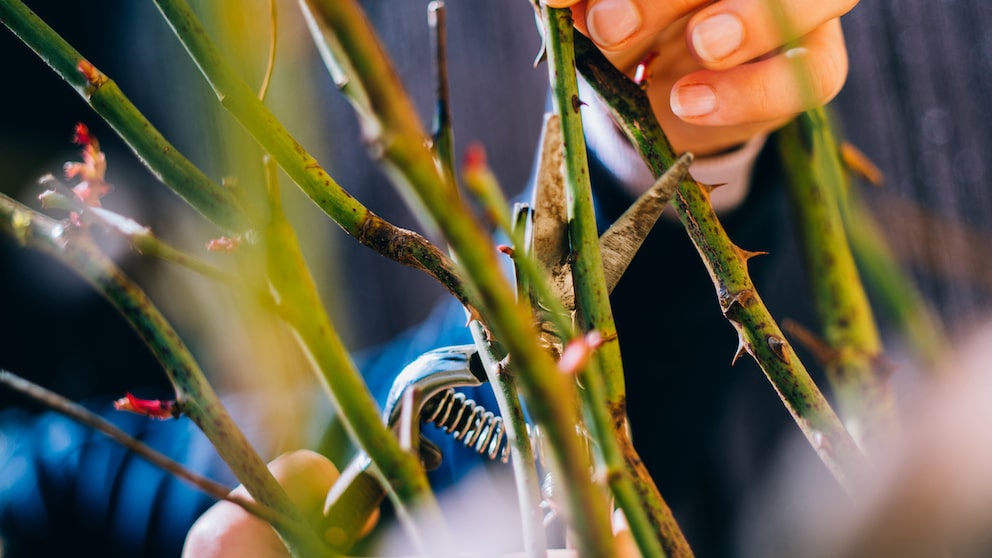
807 75
616 25
226 530
731 32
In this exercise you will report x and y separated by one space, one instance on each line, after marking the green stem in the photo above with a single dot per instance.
522 453
809 153
647 513
196 398
402 473
894 292
140 237
442 136
212 200
398 244
760 336
84 416
550 396
591 294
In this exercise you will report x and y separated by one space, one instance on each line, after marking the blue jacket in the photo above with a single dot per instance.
704 430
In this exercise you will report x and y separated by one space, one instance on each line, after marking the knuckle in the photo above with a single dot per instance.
831 74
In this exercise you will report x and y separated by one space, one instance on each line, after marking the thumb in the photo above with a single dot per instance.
226 530
625 544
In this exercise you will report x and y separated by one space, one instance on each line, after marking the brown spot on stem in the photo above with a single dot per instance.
618 414
821 350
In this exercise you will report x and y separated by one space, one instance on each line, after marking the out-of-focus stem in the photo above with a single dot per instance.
197 399
401 473
522 452
442 137
604 395
398 244
894 292
270 62
212 200
816 179
550 396
760 336
139 236
88 418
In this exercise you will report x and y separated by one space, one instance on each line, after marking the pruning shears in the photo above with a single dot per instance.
424 389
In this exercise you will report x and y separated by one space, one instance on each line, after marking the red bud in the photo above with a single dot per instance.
154 408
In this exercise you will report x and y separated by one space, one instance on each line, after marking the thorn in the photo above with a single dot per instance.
577 103
741 349
21 223
475 316
708 188
748 254
860 165
505 249
820 349
642 73
778 346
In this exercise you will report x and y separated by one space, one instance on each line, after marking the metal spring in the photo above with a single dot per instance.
477 428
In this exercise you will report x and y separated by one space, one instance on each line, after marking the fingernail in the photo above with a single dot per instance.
717 37
610 22
693 100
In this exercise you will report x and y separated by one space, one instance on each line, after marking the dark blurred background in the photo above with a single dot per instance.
917 103
59 332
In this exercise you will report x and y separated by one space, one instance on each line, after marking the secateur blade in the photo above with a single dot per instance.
358 492
618 245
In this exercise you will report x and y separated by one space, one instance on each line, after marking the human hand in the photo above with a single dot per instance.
725 70
227 531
